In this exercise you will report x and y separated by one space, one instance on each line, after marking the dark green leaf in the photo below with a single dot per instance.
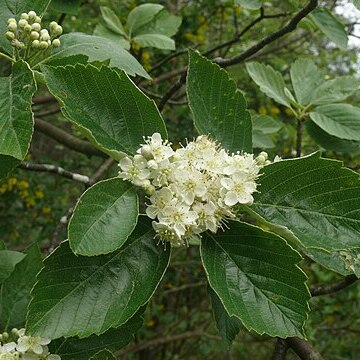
269 80
104 217
330 26
98 49
142 15
228 326
218 107
112 21
340 120
8 261
317 199
106 105
15 292
255 274
103 355
305 78
78 295
7 165
103 31
16 118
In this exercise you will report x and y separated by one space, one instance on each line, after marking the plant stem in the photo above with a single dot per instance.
7 57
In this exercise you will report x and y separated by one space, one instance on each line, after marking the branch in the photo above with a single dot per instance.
43 100
66 139
303 349
332 288
55 170
280 350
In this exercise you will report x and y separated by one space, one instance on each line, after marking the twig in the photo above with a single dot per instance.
332 288
103 168
303 349
280 351
298 137
48 112
66 139
43 100
55 170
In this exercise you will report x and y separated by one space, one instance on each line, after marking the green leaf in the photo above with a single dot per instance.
255 274
142 15
249 4
2 245
305 78
70 7
102 30
269 80
155 40
7 165
78 295
97 48
340 120
112 21
106 105
330 142
15 292
335 90
163 23
265 124
330 26
104 217
16 118
103 355
218 107
13 8
357 4
113 340
228 326
8 261
315 198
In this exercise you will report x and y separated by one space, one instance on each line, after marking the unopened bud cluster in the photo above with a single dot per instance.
27 33
17 345
194 188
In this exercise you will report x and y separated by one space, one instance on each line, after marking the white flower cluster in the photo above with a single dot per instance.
192 189
27 34
25 347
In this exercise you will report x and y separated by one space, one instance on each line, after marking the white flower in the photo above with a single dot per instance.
206 217
239 189
166 233
9 356
31 343
134 170
155 148
163 197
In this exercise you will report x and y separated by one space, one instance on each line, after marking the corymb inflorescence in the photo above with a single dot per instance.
194 188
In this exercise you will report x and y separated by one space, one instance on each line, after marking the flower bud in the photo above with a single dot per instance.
35 44
58 31
146 152
15 332
53 25
36 27
5 335
44 36
23 23
37 19
32 14
11 20
10 35
264 154
44 45
21 45
34 35
24 16
56 43
28 28
12 26
261 159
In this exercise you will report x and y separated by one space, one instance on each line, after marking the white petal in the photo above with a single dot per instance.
231 198
152 211
37 349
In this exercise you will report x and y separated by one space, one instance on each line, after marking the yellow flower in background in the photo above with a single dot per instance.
274 110
288 112
46 210
145 56
262 110
23 184
39 194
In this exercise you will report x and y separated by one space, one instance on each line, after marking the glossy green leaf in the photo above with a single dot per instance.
16 118
102 30
269 80
330 26
104 217
97 48
7 165
305 78
142 15
112 21
255 274
78 295
113 340
218 107
8 261
249 4
106 105
340 120
228 326
317 199
335 90
155 40
163 23
330 142
13 8
15 292
265 124
103 355
70 7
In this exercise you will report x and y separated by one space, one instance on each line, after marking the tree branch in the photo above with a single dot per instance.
280 351
55 170
303 349
66 139
332 288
